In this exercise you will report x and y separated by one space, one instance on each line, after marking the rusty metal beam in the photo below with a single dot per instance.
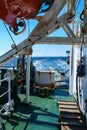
60 40
68 30
49 16
46 25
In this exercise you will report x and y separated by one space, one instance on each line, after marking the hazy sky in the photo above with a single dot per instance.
38 50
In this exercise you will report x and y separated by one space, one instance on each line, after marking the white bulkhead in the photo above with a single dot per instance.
78 85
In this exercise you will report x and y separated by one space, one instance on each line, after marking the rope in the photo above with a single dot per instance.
28 27
45 52
9 33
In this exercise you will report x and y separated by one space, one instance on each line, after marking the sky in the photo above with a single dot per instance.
38 50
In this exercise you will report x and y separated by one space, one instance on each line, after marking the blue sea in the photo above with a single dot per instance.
45 63
50 63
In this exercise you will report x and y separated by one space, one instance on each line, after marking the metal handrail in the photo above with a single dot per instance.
9 88
3 94
8 107
8 91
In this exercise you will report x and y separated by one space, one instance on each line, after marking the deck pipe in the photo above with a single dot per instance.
28 79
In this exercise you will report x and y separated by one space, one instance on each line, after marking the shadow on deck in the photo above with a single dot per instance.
41 113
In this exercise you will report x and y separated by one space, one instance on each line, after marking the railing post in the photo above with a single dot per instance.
9 89
28 79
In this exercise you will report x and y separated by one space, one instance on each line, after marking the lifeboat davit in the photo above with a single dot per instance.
11 10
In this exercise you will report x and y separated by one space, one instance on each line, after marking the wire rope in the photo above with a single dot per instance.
28 24
9 33
45 52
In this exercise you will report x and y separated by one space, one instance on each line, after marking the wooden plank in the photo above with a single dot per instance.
72 122
67 103
68 106
73 127
70 116
69 110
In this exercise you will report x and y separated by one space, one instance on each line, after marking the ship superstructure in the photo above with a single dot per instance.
76 31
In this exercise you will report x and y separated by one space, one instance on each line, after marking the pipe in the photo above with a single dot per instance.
9 90
28 79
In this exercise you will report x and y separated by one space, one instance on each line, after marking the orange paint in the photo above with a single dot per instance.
11 10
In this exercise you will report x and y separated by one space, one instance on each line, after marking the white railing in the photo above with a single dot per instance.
9 89
8 107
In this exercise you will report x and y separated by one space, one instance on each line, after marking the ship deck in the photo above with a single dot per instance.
41 112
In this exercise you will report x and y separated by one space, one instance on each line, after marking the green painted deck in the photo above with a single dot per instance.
41 113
